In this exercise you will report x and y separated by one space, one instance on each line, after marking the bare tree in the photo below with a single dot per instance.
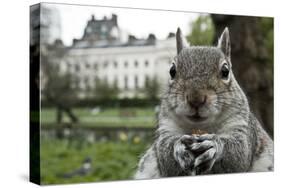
58 88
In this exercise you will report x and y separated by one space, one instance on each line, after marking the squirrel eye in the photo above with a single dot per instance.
224 71
173 71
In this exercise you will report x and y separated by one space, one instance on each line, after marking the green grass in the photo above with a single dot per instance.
144 117
111 160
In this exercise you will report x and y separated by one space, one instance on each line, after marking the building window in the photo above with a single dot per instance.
76 82
88 30
115 64
146 81
95 66
126 82
77 68
68 66
136 63
86 79
126 64
87 65
105 64
86 82
146 63
115 82
136 82
81 85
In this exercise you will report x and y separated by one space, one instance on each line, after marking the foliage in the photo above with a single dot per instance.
110 160
102 90
57 86
143 117
202 32
267 29
152 88
109 103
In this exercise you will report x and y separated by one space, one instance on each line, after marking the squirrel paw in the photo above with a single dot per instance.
209 150
182 153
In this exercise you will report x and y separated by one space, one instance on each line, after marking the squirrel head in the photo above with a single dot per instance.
201 80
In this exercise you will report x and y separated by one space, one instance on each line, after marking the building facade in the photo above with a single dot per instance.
100 55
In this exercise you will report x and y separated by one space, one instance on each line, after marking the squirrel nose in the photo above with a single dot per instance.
197 102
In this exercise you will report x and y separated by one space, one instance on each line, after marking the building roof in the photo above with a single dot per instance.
105 33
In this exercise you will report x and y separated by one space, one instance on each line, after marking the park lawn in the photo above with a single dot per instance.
111 160
144 117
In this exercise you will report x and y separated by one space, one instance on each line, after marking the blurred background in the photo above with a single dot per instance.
102 72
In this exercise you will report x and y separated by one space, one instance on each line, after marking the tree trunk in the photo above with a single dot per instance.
250 63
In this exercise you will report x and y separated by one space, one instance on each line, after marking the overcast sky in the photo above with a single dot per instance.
134 21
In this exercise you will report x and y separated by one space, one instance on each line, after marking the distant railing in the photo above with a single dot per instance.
90 133
90 127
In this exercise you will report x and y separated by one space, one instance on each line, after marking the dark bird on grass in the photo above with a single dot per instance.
85 169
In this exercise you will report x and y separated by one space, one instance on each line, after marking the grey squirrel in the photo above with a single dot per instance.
205 125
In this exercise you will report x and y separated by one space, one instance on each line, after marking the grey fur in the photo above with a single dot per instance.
224 43
181 43
235 140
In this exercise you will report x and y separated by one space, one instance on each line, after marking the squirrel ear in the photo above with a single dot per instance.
224 43
181 41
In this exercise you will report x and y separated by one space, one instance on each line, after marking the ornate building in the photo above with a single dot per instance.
101 55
